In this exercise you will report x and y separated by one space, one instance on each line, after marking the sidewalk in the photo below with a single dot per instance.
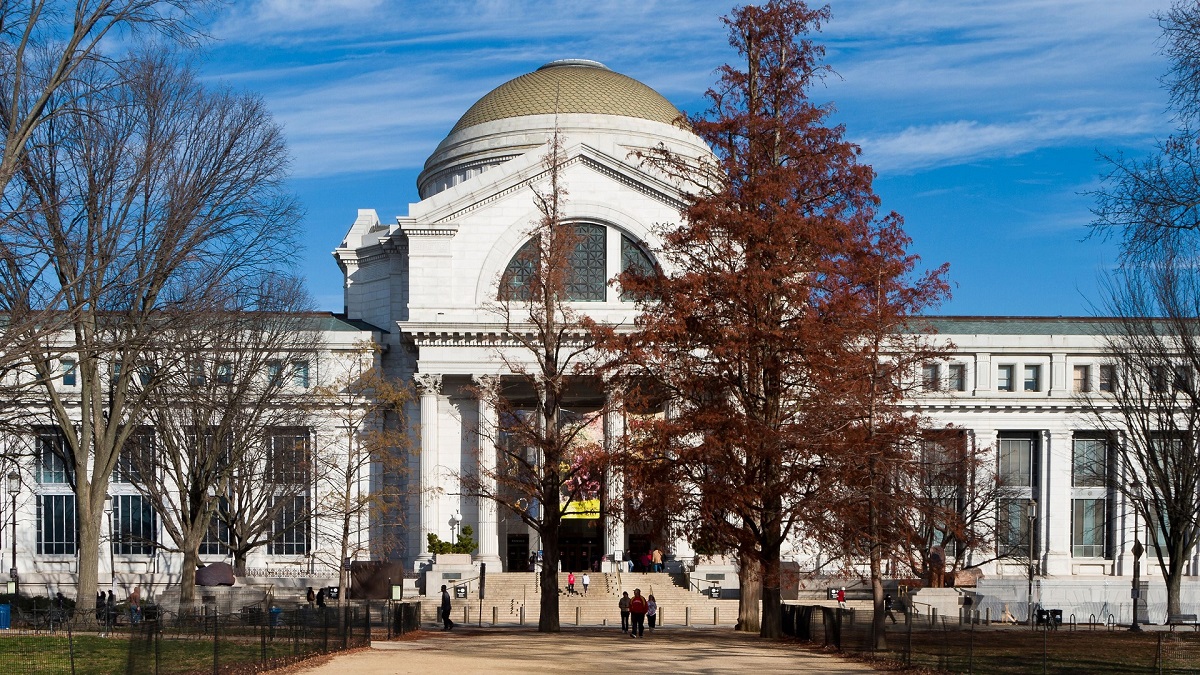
523 650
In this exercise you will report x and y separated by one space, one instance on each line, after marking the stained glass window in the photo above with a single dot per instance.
633 259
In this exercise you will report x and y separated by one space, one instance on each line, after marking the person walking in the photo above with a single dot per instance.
656 559
887 607
570 583
638 608
447 624
586 581
841 597
135 605
623 604
311 597
651 610
321 599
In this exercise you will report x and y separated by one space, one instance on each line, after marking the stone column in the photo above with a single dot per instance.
430 387
1055 502
614 442
489 538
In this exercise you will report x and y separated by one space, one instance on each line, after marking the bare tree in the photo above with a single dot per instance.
143 203
360 463
1155 405
545 461
226 381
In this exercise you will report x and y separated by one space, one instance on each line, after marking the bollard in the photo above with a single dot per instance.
576 615
716 614
466 615
662 617
687 616
987 616
522 615
495 615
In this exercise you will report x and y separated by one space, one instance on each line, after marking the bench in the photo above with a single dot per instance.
1182 620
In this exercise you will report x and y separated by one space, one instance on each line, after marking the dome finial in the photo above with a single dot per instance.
584 63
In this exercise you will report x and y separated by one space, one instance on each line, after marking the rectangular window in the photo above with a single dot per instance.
1004 378
68 372
1033 378
1082 376
216 539
1158 378
57 533
1012 527
1108 378
274 372
929 377
956 379
1181 378
287 457
289 531
1016 462
136 458
199 378
1089 465
300 374
53 453
225 372
134 525
146 373
1088 527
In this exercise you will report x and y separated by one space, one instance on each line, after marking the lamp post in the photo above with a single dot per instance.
455 519
1137 561
1031 514
112 570
14 488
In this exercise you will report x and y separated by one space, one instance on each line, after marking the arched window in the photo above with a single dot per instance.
589 268
633 259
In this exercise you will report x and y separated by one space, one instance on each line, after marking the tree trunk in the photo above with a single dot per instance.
772 598
239 563
187 577
1173 579
343 573
89 549
750 579
548 621
878 614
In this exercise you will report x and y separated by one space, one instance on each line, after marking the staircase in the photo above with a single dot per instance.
509 592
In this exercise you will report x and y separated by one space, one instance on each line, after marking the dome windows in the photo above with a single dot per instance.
587 279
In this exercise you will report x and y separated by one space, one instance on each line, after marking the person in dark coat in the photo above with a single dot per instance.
321 599
447 624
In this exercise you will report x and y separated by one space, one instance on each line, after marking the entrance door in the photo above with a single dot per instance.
518 553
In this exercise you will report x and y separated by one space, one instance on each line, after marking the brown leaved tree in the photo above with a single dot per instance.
760 328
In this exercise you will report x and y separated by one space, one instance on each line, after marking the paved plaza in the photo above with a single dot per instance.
524 651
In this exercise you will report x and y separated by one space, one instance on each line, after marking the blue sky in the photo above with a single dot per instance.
983 119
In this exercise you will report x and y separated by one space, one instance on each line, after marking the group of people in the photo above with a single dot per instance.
318 598
586 580
635 611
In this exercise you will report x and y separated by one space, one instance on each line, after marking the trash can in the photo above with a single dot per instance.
1056 617
5 617
276 616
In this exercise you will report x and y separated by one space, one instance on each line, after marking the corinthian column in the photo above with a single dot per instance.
614 440
430 386
489 542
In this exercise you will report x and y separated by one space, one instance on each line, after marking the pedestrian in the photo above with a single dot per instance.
841 597
586 580
623 604
110 608
570 583
312 597
447 624
100 606
887 606
656 559
638 609
321 598
651 610
135 605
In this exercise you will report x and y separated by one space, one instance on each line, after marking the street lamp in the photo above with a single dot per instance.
14 488
455 519
112 570
1032 515
1137 561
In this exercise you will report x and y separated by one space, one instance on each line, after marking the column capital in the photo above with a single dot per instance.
428 384
485 385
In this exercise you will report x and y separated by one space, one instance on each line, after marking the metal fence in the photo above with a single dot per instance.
949 645
251 640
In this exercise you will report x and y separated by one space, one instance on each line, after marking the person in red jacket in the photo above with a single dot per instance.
638 608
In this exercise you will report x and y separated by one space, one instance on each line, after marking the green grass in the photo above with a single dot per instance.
43 655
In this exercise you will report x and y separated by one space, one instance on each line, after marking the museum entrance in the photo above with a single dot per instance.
580 544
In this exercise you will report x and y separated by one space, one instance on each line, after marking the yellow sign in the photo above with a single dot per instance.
587 509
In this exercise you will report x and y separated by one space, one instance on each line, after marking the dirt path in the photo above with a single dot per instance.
513 650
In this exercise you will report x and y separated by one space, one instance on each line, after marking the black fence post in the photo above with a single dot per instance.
325 630
216 645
